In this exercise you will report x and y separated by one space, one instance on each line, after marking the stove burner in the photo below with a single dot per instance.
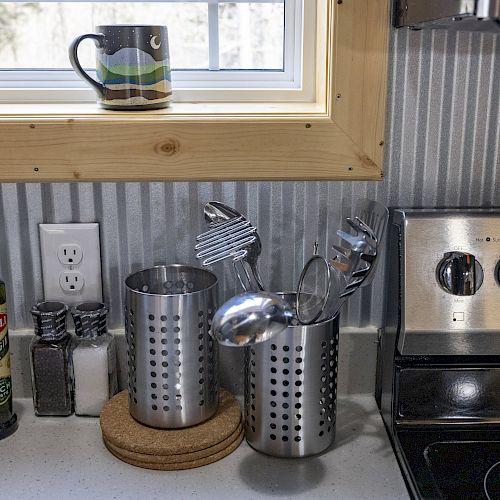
492 490
453 464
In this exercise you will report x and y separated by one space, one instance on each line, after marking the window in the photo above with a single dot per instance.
221 51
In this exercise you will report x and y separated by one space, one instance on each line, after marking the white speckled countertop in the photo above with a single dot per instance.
59 458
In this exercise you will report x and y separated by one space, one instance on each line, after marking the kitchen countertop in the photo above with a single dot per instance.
65 458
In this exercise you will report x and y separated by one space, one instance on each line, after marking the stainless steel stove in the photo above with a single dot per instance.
438 379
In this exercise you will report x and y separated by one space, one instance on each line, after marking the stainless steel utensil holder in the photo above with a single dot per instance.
172 359
291 390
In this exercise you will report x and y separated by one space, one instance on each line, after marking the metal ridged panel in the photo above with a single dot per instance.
443 149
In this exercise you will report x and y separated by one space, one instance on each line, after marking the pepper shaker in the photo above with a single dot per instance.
51 366
94 359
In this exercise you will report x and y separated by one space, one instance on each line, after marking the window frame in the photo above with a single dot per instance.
339 136
295 83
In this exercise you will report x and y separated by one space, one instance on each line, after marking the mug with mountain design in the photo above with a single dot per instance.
133 66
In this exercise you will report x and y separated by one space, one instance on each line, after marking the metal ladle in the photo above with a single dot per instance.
250 318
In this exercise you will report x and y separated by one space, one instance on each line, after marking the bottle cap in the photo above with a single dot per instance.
90 319
49 319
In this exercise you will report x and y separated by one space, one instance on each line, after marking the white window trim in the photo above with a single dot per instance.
296 84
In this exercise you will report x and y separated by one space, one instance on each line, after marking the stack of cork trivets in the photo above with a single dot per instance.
171 449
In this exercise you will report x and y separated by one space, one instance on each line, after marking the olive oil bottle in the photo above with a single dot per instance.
8 419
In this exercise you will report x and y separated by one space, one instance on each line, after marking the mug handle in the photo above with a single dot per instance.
73 58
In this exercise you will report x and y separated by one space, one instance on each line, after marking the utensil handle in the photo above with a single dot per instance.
73 58
248 276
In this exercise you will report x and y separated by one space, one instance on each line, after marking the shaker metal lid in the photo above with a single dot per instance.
90 319
49 319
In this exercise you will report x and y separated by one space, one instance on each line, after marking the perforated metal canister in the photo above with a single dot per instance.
291 390
172 359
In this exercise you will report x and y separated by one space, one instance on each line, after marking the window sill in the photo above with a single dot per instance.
184 111
340 137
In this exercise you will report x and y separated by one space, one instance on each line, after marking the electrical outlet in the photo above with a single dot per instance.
71 281
71 262
70 254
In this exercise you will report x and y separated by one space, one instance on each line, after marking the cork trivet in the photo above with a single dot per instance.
185 457
123 431
190 464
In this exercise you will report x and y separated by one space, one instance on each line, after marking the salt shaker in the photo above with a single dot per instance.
94 359
51 368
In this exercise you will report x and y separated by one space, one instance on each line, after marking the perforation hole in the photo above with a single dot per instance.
152 352
164 352
166 408
163 330
177 317
297 438
177 329
273 347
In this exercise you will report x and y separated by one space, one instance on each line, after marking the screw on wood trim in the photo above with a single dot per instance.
36 169
308 125
339 1
32 125
338 96
381 143
350 168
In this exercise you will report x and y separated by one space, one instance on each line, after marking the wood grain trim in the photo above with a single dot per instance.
341 145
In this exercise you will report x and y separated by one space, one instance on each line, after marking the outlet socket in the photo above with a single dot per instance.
70 254
71 281
71 262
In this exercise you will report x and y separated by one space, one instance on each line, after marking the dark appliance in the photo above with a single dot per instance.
438 376
468 15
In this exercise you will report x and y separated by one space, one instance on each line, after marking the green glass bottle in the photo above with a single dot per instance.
8 419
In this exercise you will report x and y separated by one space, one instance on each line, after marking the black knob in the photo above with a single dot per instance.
459 273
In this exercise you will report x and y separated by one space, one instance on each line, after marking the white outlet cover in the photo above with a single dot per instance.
86 237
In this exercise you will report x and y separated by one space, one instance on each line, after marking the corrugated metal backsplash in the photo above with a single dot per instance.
442 150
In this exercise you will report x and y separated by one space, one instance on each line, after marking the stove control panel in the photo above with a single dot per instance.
449 281
460 273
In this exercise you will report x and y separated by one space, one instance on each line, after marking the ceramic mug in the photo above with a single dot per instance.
132 66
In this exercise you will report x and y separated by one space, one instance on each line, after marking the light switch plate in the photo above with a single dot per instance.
71 262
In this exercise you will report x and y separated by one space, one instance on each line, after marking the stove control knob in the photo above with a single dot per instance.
460 273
